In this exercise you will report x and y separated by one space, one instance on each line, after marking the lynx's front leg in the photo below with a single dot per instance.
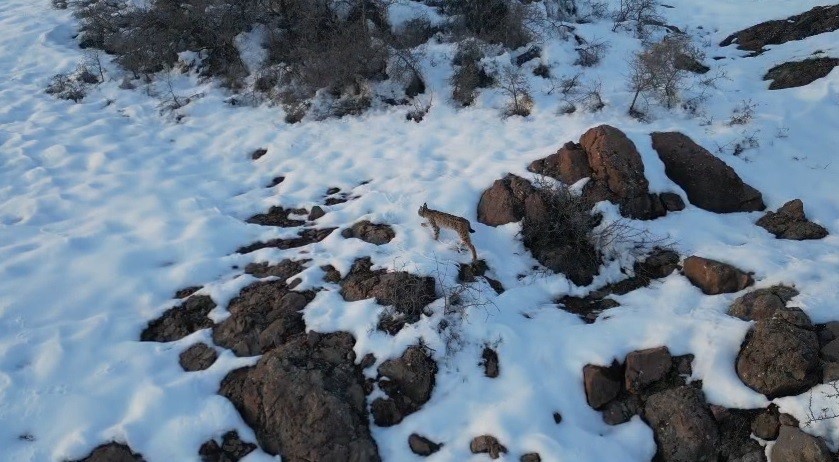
436 230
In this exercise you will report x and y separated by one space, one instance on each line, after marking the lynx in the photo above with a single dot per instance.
460 225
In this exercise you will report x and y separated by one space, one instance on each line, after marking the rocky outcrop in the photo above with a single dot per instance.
503 202
367 231
282 270
710 184
715 277
406 292
799 73
818 20
789 222
304 237
305 400
263 315
780 356
408 382
180 321
278 216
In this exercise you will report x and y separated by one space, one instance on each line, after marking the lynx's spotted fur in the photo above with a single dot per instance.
460 225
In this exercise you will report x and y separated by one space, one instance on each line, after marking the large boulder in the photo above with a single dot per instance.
762 303
715 277
684 428
568 165
180 321
789 222
503 202
263 315
818 20
112 452
408 382
709 183
793 445
305 400
799 73
780 356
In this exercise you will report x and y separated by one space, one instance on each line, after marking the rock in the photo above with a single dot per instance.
709 183
618 173
793 445
530 457
422 446
828 331
621 410
529 55
788 420
408 382
789 222
602 384
767 423
658 264
304 237
187 291
568 165
330 274
643 367
714 277
256 154
283 270
799 73
368 360
684 429
685 62
830 372
489 360
761 303
816 21
487 444
830 351
305 400
672 202
264 315
407 293
503 202
197 357
588 309
278 216
734 428
232 449
180 321
275 181
373 233
316 213
112 452
780 358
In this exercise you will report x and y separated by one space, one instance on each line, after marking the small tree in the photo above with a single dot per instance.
655 70
641 13
515 86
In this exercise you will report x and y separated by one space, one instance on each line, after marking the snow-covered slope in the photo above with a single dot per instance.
107 207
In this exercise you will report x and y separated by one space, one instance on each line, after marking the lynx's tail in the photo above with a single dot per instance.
471 230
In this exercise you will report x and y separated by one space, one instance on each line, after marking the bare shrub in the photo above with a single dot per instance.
746 141
493 21
513 84
66 86
542 70
413 33
470 75
654 71
420 109
743 113
638 14
589 54
591 96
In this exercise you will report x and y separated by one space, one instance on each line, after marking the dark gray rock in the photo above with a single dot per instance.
684 428
793 445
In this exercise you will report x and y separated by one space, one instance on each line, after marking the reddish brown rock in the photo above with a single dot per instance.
789 222
644 367
714 277
503 202
602 384
818 20
113 452
793 445
568 165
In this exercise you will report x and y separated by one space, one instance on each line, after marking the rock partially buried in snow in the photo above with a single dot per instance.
305 400
197 357
715 277
762 303
602 384
818 20
503 202
530 457
112 452
568 165
789 222
685 430
278 216
767 423
283 270
793 445
710 184
304 237
780 356
489 359
408 382
487 444
373 233
643 367
232 449
799 73
180 321
422 446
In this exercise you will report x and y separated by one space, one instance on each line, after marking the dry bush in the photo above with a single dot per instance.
743 113
66 86
514 85
470 75
589 54
654 71
640 14
493 21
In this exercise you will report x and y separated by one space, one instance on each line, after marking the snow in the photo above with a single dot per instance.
109 206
